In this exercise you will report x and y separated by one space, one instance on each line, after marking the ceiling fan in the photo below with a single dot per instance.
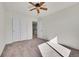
38 7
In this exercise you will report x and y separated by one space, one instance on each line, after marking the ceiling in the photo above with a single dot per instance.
24 7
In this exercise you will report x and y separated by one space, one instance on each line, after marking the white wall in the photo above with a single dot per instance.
64 24
2 28
41 30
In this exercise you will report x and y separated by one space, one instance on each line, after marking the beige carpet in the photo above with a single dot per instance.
26 48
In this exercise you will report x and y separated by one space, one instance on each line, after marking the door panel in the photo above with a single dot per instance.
16 29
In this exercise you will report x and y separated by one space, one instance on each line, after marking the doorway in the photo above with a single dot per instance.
34 28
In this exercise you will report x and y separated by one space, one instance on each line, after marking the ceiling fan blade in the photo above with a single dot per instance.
32 9
32 3
38 11
43 8
41 3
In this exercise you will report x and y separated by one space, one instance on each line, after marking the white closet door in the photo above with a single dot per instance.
21 28
16 29
24 29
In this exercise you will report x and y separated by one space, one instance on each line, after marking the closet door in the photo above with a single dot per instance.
16 29
21 28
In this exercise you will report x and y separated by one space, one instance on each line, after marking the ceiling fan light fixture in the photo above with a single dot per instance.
38 7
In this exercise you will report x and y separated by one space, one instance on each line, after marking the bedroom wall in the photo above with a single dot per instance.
64 24
2 28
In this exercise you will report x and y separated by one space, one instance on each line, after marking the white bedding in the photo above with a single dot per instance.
48 51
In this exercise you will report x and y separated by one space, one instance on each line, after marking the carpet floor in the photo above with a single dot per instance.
28 48
25 48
